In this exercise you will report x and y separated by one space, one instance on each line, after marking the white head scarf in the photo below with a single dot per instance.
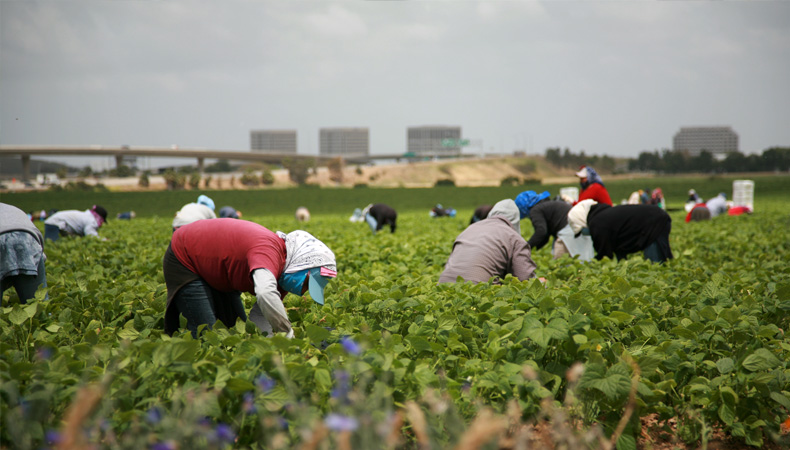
577 216
304 251
508 209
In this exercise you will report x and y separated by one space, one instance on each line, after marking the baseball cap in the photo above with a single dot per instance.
319 278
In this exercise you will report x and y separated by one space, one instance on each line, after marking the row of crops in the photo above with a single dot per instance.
393 359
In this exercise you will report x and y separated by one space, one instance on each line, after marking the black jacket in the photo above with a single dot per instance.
548 217
384 215
624 229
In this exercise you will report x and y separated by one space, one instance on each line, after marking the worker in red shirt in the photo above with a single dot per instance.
592 186
209 263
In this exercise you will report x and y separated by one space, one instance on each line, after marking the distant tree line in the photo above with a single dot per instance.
674 161
567 159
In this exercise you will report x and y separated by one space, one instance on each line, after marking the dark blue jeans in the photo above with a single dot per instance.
51 232
25 285
196 301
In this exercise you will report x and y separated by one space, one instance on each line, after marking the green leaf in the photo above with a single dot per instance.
761 359
626 442
323 379
781 399
419 343
726 414
621 286
725 365
18 316
317 334
240 385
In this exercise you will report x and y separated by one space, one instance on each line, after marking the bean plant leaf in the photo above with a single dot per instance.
725 365
761 359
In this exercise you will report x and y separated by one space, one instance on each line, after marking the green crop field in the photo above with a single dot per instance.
392 360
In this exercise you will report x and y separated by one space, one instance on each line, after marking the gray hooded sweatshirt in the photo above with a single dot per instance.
491 248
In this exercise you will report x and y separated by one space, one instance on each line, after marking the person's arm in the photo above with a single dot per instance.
521 262
541 235
91 228
269 302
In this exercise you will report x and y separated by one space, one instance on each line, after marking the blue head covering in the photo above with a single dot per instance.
592 176
205 200
527 199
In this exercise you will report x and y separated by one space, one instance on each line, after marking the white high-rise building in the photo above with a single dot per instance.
273 141
715 140
344 141
434 140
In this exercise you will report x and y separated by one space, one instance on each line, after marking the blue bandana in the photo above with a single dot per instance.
527 199
293 282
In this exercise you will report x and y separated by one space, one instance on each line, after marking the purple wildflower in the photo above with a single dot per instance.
166 445
154 415
52 437
224 433
350 346
339 422
44 353
249 403
265 383
341 385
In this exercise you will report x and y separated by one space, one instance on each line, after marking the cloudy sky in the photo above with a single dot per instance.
607 77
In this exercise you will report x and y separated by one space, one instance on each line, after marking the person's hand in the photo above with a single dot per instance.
542 280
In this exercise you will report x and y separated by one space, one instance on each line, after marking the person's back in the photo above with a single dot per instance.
624 229
383 215
548 218
192 212
717 205
491 248
74 223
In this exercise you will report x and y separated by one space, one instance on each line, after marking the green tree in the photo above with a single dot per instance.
299 169
194 180
144 182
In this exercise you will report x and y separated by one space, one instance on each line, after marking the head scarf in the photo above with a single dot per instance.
527 199
100 214
205 200
592 177
304 253
577 216
507 208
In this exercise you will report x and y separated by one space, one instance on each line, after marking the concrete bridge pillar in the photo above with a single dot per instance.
25 167
200 165
118 161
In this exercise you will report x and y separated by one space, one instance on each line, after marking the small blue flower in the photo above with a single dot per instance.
52 437
350 346
341 385
249 403
154 415
44 353
224 433
166 445
339 422
265 383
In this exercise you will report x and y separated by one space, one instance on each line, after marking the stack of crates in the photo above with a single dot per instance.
743 193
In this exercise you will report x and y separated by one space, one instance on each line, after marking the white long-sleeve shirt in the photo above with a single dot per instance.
73 222
192 212
269 313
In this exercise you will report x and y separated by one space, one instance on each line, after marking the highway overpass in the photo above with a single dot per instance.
26 151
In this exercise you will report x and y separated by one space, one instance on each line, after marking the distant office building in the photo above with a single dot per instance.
716 140
273 141
434 140
344 141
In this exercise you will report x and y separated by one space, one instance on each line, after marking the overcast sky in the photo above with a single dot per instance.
607 77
